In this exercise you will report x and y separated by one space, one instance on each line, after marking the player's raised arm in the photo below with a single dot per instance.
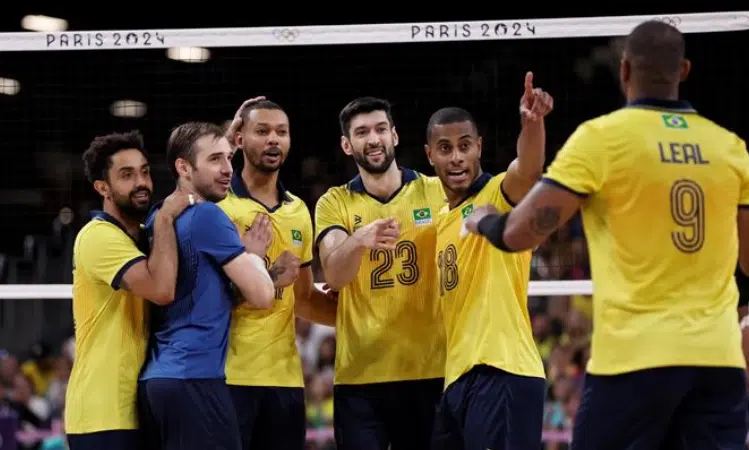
577 171
341 253
155 279
526 169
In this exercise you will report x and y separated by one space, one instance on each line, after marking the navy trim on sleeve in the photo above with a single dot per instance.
307 264
504 194
551 182
231 257
121 273
326 231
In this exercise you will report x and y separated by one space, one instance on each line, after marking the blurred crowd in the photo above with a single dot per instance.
33 384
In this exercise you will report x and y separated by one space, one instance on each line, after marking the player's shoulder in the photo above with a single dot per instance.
719 132
295 204
102 226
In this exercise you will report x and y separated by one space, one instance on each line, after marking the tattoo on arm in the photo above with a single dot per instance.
545 220
276 271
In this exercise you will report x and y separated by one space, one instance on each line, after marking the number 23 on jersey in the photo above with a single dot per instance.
404 255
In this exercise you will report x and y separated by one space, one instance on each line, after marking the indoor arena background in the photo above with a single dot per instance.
52 103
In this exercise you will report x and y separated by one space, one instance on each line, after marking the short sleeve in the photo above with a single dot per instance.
501 200
105 253
328 216
579 166
308 238
744 171
214 235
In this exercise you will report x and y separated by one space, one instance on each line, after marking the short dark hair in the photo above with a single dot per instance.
262 104
181 143
448 115
363 105
655 50
97 159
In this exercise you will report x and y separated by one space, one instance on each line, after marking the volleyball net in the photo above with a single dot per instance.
59 89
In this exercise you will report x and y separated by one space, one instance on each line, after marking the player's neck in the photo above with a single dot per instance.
382 185
132 226
261 185
654 92
454 198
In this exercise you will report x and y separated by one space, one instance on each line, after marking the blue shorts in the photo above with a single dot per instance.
188 414
488 408
398 415
110 439
666 408
270 418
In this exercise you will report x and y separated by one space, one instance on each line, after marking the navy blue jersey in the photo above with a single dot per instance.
190 336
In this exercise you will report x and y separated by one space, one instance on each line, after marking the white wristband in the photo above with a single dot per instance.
260 265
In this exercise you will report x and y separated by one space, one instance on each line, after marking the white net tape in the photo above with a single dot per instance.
65 291
367 34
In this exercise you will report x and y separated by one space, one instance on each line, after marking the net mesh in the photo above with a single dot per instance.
67 87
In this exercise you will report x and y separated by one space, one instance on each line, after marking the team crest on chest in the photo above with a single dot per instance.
466 211
296 238
357 222
422 216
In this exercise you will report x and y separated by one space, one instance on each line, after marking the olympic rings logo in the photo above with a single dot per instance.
674 21
287 34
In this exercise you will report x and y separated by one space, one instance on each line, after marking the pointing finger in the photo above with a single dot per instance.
529 83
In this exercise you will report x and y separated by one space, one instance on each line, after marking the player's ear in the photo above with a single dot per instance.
102 188
395 137
182 167
624 71
686 66
480 144
238 139
346 145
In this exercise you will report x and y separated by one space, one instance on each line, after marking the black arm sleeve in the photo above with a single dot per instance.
492 227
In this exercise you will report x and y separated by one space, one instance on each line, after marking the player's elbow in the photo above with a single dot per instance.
262 296
163 296
335 283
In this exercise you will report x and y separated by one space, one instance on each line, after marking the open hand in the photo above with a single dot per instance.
535 103
258 237
177 202
236 123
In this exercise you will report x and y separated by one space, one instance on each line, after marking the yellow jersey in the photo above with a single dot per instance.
662 188
484 292
262 343
388 326
110 331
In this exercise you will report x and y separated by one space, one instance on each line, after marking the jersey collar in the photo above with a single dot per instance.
240 190
407 176
682 106
103 216
475 187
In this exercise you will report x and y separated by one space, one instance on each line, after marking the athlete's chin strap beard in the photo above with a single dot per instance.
492 227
